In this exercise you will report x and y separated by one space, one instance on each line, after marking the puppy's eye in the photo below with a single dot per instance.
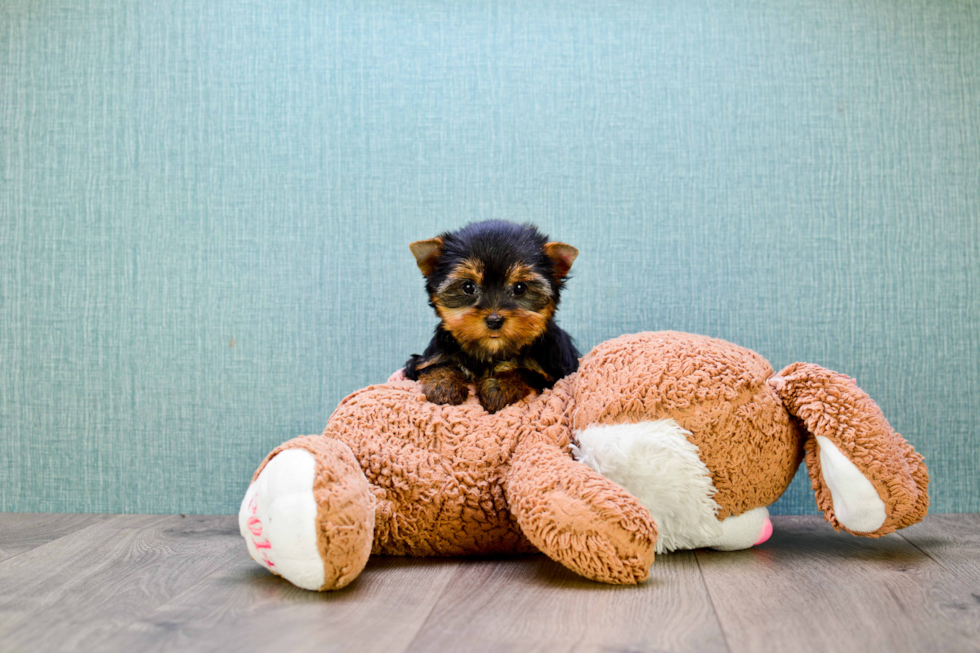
468 287
520 288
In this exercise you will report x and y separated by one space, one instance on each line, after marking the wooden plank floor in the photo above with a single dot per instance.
172 583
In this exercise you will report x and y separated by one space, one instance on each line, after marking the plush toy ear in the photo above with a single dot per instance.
562 256
427 253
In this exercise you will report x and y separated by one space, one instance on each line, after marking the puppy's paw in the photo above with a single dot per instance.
498 392
444 385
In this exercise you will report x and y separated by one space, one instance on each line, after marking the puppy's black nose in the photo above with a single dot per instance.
494 321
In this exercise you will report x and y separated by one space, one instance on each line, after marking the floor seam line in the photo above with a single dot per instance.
428 614
60 537
926 553
711 601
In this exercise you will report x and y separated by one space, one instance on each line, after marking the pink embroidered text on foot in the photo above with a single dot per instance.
255 527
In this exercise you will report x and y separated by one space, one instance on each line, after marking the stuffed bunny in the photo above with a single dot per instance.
660 441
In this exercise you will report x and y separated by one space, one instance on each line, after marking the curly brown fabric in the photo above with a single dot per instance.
831 405
345 508
716 390
593 527
405 476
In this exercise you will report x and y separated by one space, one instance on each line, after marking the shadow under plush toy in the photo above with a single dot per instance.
660 441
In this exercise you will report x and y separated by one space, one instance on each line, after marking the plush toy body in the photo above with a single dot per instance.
660 441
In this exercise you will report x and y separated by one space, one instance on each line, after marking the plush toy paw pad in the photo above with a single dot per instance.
857 505
278 519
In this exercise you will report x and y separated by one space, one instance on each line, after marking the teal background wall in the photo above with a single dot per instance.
205 209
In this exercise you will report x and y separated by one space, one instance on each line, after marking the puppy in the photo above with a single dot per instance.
495 286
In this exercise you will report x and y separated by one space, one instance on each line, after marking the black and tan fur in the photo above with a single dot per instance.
495 286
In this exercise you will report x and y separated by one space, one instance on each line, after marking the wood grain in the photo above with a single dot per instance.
954 542
245 608
534 604
21 532
75 591
810 588
167 583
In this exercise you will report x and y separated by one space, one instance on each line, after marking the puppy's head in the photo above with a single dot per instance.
494 284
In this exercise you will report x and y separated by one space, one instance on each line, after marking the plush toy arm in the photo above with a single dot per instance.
578 517
868 480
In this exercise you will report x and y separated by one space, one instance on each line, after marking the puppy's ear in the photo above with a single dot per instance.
562 256
427 253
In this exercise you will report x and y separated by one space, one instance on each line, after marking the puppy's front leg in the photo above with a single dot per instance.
503 389
444 385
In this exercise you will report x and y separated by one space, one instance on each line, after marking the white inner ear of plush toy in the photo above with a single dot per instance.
278 519
856 502
655 462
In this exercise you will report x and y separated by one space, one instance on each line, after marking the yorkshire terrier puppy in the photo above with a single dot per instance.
495 286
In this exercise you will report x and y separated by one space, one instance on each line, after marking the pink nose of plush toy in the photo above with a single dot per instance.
765 532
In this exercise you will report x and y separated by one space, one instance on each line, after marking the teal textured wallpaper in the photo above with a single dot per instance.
205 209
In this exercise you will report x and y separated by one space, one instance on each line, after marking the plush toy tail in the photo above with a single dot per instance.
868 480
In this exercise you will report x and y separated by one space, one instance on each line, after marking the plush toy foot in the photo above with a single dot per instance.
278 519
743 531
308 515
867 479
